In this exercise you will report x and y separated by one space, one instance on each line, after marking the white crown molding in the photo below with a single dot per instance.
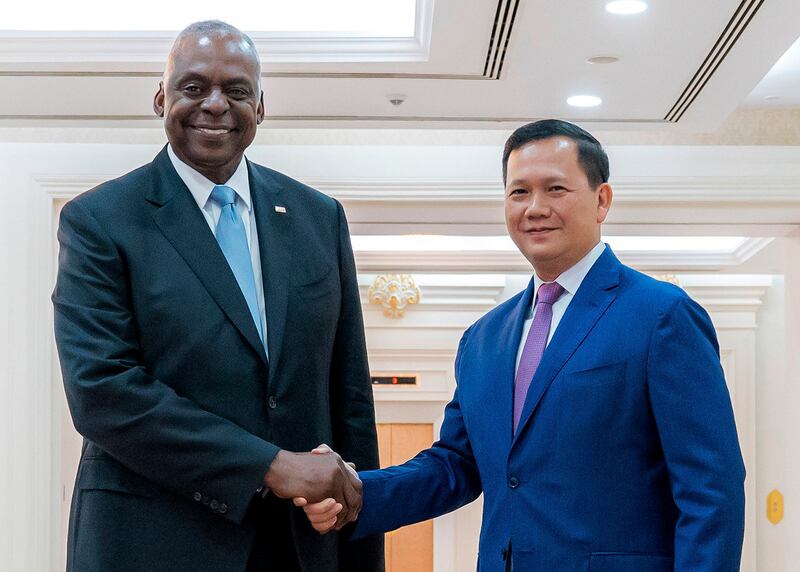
513 261
719 191
728 292
708 190
376 203
633 190
152 47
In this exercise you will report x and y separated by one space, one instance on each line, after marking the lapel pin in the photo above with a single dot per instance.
279 209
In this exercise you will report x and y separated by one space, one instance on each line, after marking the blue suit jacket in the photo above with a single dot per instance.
626 458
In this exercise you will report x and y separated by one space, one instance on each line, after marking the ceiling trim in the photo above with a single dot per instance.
681 190
720 191
353 118
730 35
267 74
513 261
152 47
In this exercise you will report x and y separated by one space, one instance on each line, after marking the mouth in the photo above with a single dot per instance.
212 131
539 231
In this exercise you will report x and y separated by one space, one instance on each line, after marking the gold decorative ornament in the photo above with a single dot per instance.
393 292
775 506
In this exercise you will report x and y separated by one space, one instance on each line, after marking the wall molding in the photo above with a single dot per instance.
514 262
638 190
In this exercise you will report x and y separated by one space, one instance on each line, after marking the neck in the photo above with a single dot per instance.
549 270
217 174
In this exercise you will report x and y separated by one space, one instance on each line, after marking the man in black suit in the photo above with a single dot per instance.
208 324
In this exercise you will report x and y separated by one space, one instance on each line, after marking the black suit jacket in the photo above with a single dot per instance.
168 382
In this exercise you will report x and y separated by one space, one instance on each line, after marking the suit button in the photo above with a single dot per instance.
513 482
214 504
273 403
223 508
198 497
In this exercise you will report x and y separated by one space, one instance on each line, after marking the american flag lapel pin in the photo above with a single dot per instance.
280 209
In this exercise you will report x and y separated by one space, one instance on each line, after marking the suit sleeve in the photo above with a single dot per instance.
437 481
117 404
696 427
352 407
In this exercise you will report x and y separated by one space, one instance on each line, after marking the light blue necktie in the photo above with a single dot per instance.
232 239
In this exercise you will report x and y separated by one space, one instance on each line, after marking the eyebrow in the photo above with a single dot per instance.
189 76
550 179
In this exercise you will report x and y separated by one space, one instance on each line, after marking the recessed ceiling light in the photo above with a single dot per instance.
626 7
584 101
603 60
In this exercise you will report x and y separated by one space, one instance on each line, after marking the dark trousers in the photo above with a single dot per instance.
273 547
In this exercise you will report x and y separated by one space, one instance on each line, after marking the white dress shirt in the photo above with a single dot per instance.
570 280
201 188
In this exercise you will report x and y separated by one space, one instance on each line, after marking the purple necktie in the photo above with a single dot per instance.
534 344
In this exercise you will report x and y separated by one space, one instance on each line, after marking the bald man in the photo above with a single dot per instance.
208 324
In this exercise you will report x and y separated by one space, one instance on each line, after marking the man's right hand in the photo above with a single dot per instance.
325 516
316 477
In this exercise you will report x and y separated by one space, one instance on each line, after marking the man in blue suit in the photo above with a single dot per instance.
208 325
590 410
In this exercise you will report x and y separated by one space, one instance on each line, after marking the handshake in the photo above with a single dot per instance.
327 488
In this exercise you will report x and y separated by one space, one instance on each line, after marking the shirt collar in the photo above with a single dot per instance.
572 278
201 187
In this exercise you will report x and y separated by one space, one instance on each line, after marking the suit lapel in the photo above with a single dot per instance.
595 295
275 240
183 225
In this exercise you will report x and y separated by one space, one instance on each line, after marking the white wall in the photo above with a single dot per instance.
773 411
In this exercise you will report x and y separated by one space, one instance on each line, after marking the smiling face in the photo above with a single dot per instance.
553 214
211 102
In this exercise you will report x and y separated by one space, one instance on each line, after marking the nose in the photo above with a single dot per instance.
216 103
538 206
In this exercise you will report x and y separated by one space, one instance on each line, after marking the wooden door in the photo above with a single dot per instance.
408 549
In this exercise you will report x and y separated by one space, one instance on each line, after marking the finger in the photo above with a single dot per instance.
324 507
322 449
321 506
324 527
299 501
331 514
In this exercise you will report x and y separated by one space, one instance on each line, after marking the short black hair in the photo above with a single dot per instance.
591 155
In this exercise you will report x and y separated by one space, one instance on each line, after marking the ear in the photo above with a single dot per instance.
604 197
260 109
158 100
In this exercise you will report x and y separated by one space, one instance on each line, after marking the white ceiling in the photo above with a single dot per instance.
684 65
781 86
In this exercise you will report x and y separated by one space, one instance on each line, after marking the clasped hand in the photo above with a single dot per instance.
327 488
